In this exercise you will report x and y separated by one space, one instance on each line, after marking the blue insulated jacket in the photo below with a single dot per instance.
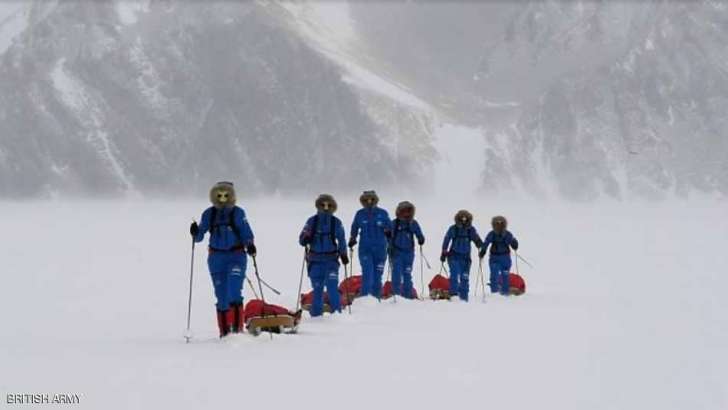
457 239
373 227
501 244
404 233
324 233
222 234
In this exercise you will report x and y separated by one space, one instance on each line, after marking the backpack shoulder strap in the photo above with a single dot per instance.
213 220
235 229
315 224
333 231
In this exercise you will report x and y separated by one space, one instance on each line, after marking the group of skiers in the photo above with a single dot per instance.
379 238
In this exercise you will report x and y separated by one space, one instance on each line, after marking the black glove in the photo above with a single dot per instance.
352 242
344 259
481 254
252 250
443 256
194 229
421 241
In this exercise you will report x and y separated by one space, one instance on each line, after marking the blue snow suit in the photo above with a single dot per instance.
325 237
374 229
403 255
500 259
227 261
457 247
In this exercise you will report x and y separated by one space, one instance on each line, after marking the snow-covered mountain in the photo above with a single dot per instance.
155 97
577 99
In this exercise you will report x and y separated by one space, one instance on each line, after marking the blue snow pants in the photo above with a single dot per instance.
459 275
402 273
227 270
372 259
324 273
500 266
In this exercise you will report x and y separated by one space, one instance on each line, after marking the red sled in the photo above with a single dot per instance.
439 288
307 301
351 287
387 291
517 284
265 317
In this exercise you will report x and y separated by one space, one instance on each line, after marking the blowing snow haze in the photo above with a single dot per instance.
572 99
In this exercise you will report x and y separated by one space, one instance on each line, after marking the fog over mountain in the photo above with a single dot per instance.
573 99
579 99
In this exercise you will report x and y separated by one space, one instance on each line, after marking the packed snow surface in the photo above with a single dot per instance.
625 309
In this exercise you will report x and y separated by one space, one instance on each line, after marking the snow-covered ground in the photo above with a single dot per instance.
625 310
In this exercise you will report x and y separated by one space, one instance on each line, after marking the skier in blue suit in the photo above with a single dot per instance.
374 228
230 237
456 249
402 252
325 241
501 241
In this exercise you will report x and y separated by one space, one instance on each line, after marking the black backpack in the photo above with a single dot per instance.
457 236
396 230
331 234
214 226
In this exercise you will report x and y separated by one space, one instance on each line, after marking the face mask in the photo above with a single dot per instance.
222 196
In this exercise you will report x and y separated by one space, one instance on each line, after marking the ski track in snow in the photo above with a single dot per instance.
623 311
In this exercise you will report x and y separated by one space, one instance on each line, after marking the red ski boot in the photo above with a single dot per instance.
238 323
224 321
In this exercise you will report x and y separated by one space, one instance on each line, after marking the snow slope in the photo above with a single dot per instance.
13 20
625 310
329 27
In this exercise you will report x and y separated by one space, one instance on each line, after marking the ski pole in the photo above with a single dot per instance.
389 278
351 275
252 287
300 281
443 268
524 260
422 272
188 333
482 278
346 290
260 288
516 261
422 254
276 291
477 278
